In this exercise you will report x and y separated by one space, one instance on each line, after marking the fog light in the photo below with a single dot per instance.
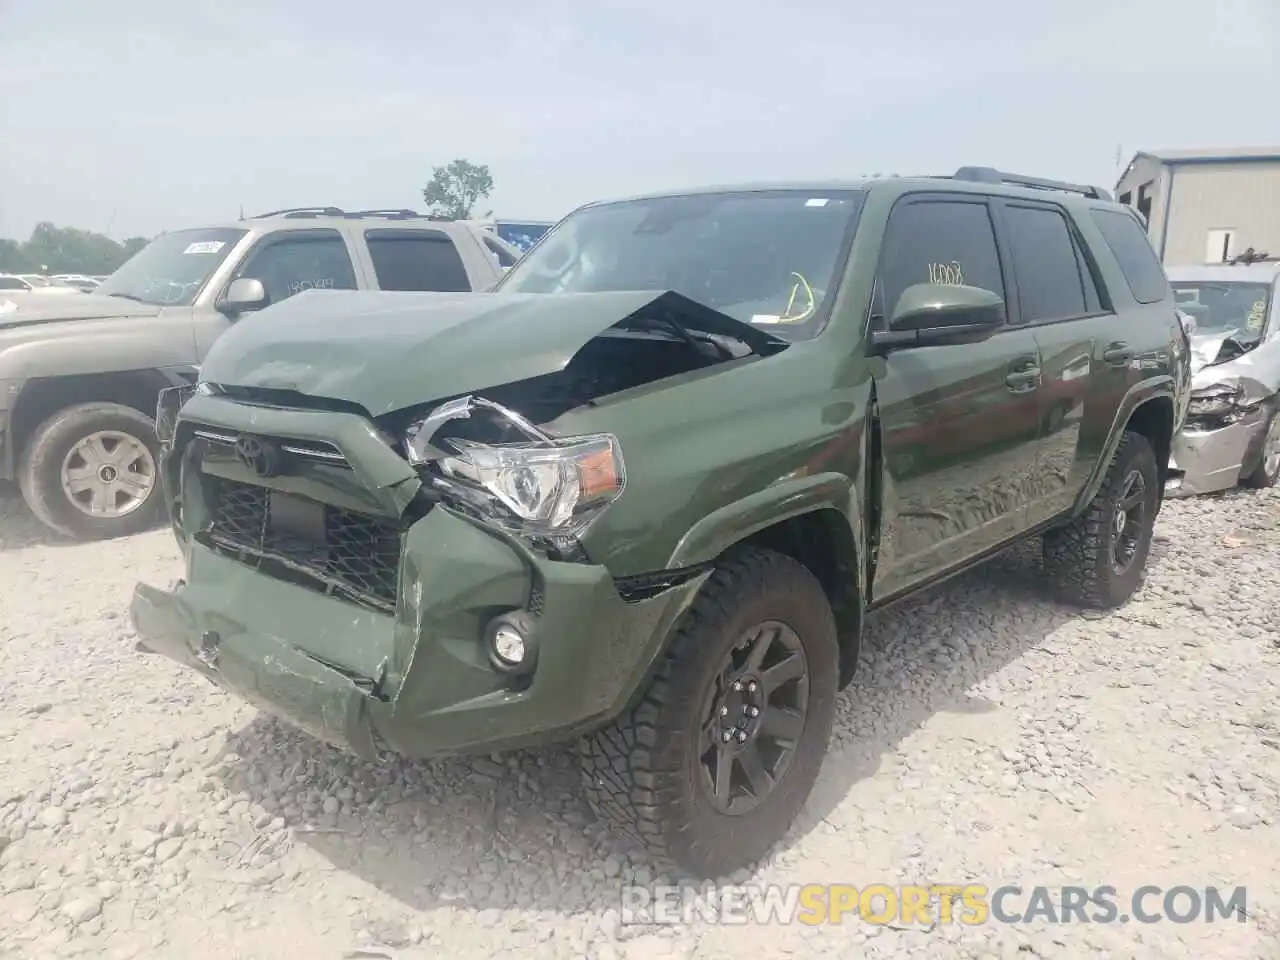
508 645
512 642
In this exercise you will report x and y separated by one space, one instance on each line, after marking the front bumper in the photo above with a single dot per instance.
1207 461
418 680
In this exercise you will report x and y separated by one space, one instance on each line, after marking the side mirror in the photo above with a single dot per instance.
244 294
938 314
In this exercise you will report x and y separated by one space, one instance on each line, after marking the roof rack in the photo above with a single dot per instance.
1252 256
301 213
991 175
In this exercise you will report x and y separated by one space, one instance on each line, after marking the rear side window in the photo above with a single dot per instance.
1138 263
12 283
418 260
1050 285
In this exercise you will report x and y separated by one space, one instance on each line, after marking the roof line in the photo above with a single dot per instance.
1210 158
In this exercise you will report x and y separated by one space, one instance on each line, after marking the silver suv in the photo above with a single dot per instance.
79 376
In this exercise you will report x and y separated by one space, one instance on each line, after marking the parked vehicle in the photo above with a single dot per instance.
77 280
654 521
1232 433
34 285
79 378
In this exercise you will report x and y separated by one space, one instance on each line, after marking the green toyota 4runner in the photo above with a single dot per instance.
644 494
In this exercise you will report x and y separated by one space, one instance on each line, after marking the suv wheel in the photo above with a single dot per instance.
714 763
92 471
1097 560
1267 472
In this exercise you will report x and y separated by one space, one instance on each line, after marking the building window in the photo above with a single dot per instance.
1127 198
1144 203
1220 246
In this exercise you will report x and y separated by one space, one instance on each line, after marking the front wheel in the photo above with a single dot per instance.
92 471
712 766
1267 472
1098 559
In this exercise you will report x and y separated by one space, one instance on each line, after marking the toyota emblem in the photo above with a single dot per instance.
258 455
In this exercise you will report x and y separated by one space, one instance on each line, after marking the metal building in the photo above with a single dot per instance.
1206 206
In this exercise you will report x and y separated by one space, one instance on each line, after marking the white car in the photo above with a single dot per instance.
33 285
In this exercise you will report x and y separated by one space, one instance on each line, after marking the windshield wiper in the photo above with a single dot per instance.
691 337
127 296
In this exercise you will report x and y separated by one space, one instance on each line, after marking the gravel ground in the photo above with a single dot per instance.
992 737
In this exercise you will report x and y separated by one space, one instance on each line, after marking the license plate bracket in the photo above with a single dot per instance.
292 517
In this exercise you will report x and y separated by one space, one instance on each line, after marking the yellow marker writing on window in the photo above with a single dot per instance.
800 286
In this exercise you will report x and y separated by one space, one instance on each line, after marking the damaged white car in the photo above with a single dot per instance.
1232 432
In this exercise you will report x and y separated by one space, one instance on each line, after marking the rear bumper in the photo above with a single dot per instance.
419 682
1207 461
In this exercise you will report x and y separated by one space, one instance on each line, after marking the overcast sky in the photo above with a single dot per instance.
135 116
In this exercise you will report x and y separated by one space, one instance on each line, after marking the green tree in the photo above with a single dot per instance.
454 189
55 249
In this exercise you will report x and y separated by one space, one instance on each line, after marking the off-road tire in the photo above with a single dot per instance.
40 471
640 772
1078 557
1258 478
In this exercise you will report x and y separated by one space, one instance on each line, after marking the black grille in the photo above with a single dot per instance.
348 553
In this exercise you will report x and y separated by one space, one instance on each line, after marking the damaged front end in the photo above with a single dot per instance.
1231 412
417 581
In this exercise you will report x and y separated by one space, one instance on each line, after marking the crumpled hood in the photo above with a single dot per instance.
1257 370
86 306
1205 348
389 351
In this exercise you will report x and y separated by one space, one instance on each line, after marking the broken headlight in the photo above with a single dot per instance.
552 488
1216 400
545 487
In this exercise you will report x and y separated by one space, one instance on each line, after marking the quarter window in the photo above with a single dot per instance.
1132 250
288 266
423 260
938 241
1050 286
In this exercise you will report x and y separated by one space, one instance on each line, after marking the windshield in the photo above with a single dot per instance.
768 258
1223 306
172 268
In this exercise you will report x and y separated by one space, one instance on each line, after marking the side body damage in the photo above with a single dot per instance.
1232 433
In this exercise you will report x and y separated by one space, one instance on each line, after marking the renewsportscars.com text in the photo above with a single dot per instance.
926 905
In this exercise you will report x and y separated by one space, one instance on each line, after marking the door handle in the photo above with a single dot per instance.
1023 379
1117 354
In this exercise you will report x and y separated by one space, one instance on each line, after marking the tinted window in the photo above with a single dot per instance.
1142 271
294 264
504 259
12 283
938 241
1044 260
417 261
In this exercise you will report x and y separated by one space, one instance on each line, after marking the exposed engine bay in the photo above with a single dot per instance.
647 347
487 453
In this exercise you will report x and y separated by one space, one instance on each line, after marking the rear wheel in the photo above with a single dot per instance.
713 765
1267 472
1097 561
92 471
